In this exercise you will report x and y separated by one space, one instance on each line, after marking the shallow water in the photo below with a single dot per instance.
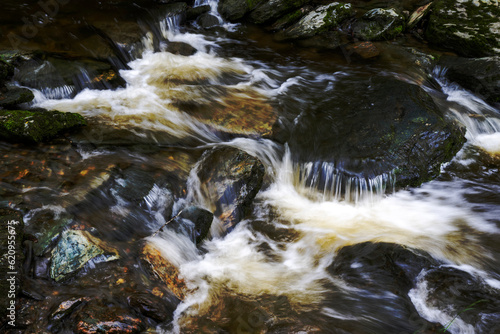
324 251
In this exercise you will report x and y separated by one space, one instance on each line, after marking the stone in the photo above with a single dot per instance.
469 27
6 71
11 260
365 50
290 18
234 10
317 21
207 21
12 97
479 75
74 250
193 12
37 126
274 9
200 221
328 40
418 15
181 48
230 180
379 24
152 306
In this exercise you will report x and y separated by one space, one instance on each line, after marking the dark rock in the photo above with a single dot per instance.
470 28
36 126
101 317
207 21
15 96
329 40
181 48
391 125
289 19
152 306
193 12
236 9
176 8
479 75
202 220
364 49
274 9
230 180
6 71
74 250
379 24
319 20
11 260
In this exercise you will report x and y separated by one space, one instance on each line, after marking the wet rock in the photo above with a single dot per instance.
152 306
393 125
365 50
6 71
167 272
418 15
181 48
197 225
11 260
236 9
12 97
67 307
36 126
379 24
193 12
102 317
470 27
479 75
207 21
230 180
329 40
289 19
319 20
274 9
74 250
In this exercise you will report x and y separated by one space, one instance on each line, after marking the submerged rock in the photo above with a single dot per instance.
319 20
392 126
274 9
36 126
74 250
479 75
379 24
11 260
469 27
230 180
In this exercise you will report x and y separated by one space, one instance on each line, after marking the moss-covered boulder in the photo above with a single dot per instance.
234 10
13 97
469 27
36 126
320 20
290 18
11 260
479 75
274 9
230 180
379 24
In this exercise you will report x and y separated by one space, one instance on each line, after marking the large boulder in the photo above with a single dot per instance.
230 180
36 126
379 24
318 21
11 260
391 126
479 75
236 9
274 9
469 27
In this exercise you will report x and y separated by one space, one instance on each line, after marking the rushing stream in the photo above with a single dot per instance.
312 257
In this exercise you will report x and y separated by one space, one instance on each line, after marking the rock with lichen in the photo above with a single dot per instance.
379 24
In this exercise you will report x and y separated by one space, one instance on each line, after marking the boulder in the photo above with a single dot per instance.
234 10
181 48
36 126
198 223
470 28
479 75
290 18
379 24
391 126
11 260
230 180
12 97
274 9
207 21
74 250
317 21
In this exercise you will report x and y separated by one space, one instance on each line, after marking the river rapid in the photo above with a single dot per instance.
322 251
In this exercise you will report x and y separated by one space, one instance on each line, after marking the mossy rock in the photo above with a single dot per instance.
471 28
379 24
318 21
36 126
274 9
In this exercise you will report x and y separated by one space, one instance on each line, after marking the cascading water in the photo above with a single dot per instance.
280 268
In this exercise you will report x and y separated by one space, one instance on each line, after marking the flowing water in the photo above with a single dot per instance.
324 251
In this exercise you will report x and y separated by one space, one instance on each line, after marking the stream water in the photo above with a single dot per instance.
322 252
